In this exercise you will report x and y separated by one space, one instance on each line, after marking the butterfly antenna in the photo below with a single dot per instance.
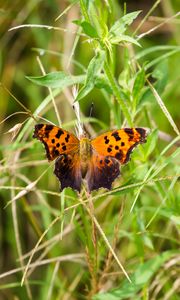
76 108
91 110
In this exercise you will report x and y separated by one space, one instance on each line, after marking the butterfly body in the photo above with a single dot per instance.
85 151
97 160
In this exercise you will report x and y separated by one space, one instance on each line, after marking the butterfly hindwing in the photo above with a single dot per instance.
119 143
68 171
103 170
56 140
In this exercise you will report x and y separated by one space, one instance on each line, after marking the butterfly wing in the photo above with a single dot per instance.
68 171
102 171
119 143
109 150
64 146
56 140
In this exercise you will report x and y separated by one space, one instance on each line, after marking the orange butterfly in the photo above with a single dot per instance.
97 160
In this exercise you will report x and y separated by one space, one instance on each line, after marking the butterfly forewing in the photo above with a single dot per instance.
119 143
56 140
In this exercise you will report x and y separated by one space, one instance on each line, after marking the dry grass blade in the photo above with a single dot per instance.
36 247
105 239
73 257
167 20
163 107
50 92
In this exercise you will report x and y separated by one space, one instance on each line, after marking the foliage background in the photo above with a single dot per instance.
75 259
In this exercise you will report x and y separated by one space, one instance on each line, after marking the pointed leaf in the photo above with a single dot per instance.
89 29
57 80
120 26
123 38
94 68
151 143
101 82
138 84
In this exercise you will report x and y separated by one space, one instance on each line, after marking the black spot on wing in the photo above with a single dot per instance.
44 133
49 127
104 175
38 126
36 130
142 133
53 141
115 134
64 148
106 139
130 133
107 161
119 155
56 152
67 138
59 133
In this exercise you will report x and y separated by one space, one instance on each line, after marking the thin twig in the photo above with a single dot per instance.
147 15
105 239
50 91
157 26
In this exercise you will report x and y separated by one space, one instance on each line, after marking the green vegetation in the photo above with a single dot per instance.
110 245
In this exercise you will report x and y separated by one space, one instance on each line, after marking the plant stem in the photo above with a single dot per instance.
117 92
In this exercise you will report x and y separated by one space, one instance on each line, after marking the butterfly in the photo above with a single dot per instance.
97 160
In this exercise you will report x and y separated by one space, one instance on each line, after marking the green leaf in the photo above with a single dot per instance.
146 99
161 73
151 143
144 238
144 272
94 68
120 26
101 82
138 86
89 29
57 80
123 38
